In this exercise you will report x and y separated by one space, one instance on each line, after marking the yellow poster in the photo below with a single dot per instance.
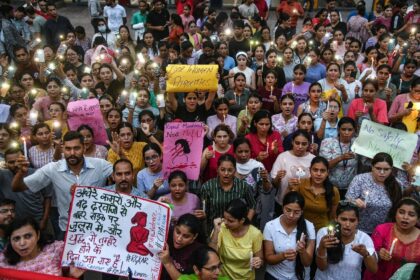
410 121
187 78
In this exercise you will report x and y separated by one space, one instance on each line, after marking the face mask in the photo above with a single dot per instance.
102 28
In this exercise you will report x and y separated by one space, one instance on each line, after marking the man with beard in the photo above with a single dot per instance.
28 203
64 175
7 215
123 177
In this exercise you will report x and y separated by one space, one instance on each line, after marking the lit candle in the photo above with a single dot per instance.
224 118
141 59
78 180
228 31
25 148
293 87
204 205
14 144
399 88
246 110
364 107
214 149
328 105
267 148
312 139
160 100
388 81
393 245
14 125
302 237
271 90
366 196
250 45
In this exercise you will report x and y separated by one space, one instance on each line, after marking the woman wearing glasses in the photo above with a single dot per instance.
150 179
375 192
289 241
206 264
341 250
397 243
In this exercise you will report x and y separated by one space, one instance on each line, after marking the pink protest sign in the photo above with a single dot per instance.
87 112
182 147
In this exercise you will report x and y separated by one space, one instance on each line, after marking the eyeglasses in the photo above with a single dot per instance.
5 210
215 268
152 158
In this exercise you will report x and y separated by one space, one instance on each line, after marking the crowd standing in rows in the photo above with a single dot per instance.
280 194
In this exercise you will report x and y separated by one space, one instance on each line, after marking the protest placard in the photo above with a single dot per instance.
111 232
375 138
186 78
182 146
87 112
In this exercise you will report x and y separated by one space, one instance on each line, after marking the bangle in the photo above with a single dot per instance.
321 257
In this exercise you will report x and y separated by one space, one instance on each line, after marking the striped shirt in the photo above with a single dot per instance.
216 199
40 158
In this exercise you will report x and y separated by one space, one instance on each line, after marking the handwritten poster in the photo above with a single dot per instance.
185 78
374 138
111 232
87 112
182 146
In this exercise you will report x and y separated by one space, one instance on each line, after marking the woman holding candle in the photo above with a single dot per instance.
185 238
352 85
369 106
306 123
298 87
292 165
183 201
238 96
26 80
399 109
255 175
266 143
238 242
259 57
291 259
371 55
124 40
222 135
404 79
221 106
387 91
241 60
376 192
399 242
253 105
272 64
342 161
19 114
333 86
286 121
288 64
321 197
269 93
342 250
313 105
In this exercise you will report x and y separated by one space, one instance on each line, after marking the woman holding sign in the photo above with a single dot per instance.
191 111
375 192
29 250
397 243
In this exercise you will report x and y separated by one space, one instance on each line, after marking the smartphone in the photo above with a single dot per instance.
57 133
353 74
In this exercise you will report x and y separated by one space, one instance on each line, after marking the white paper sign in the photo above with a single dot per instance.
110 232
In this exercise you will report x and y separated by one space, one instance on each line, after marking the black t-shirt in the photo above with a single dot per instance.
199 115
237 46
281 78
115 88
288 32
159 19
341 26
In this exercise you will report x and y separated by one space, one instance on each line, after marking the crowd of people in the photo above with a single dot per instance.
281 194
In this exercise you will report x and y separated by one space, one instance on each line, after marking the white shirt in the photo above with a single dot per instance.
350 268
115 16
282 241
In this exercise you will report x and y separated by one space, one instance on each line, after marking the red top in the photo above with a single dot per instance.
262 7
257 146
379 109
383 237
180 6
211 169
175 34
287 8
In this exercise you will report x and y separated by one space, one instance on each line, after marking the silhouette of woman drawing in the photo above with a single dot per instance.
139 235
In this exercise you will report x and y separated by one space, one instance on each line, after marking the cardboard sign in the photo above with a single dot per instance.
375 138
186 78
111 232
182 148
87 112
